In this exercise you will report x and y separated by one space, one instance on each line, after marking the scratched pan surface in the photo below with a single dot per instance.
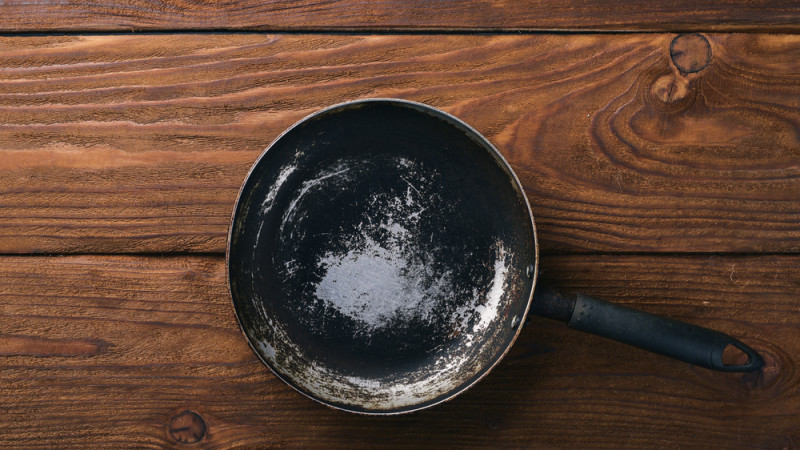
378 256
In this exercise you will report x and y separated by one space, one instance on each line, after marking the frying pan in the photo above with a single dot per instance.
382 256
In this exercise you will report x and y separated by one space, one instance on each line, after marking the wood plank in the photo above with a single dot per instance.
139 143
106 350
464 15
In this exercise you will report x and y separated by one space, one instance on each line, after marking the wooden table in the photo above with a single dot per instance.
663 170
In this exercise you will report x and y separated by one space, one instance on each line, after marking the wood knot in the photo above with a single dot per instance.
191 275
690 53
767 376
670 88
187 427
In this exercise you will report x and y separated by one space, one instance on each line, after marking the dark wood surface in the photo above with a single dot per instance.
108 349
140 143
383 15
663 169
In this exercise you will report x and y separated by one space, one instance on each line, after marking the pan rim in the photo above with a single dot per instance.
505 166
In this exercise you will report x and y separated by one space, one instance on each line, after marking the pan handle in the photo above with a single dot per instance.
679 340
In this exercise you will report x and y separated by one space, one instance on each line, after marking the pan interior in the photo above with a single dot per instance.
378 257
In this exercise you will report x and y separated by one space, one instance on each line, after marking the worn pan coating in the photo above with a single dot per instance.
382 256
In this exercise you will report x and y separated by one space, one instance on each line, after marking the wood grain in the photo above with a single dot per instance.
387 15
133 342
115 143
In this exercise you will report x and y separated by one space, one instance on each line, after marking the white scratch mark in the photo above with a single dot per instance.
273 192
307 185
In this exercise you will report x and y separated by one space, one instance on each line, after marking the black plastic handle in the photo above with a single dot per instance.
679 340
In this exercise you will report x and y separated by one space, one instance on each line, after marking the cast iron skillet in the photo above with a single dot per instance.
382 255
